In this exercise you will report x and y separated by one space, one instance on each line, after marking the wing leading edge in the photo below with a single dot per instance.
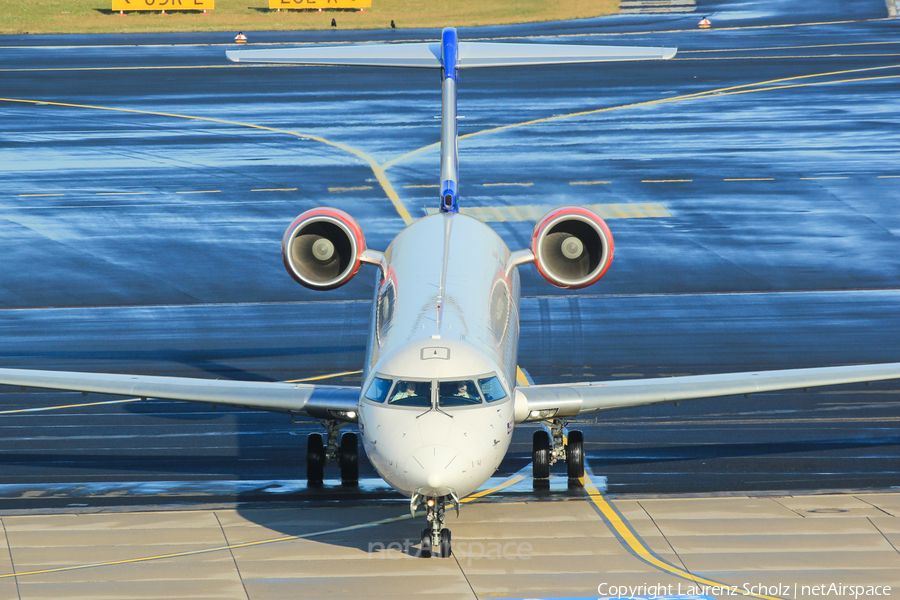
308 400
428 55
582 398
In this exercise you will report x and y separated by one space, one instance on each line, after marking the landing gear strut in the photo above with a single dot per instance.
319 454
435 537
547 448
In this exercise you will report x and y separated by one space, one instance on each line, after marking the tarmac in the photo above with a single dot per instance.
751 188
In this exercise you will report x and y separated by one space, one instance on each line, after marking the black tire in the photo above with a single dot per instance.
315 459
425 547
445 543
540 455
575 455
349 459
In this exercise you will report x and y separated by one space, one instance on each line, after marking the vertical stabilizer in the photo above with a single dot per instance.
449 143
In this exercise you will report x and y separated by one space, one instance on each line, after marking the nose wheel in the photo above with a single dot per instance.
435 538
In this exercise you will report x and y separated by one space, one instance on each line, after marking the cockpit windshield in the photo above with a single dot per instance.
458 393
412 393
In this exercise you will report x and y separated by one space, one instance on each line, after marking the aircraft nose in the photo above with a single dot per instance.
434 470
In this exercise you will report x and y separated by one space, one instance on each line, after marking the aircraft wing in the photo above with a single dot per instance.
540 402
428 55
299 399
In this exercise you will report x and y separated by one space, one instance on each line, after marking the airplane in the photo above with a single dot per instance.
439 400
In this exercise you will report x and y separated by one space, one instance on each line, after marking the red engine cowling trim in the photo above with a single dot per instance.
567 213
337 217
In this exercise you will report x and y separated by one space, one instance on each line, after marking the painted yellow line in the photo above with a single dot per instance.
521 378
319 377
349 189
276 190
512 480
123 193
752 179
680 52
770 57
695 96
816 178
519 184
422 186
589 182
288 538
377 170
38 195
666 180
201 192
46 408
627 536
888 176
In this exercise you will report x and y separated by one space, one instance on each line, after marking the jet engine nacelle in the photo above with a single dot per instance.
322 248
572 247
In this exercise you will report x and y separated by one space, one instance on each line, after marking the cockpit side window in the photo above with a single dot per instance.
492 389
379 389
412 393
458 393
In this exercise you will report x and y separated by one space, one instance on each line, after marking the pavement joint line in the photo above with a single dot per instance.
378 170
288 538
237 567
632 542
886 538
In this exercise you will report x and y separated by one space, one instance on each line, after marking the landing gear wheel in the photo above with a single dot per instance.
315 459
445 543
540 456
425 547
575 455
349 459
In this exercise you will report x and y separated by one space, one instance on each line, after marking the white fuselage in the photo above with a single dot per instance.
445 311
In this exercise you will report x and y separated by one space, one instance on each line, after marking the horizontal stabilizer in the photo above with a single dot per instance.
471 54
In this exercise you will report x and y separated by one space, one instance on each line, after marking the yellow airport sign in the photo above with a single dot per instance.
163 4
308 4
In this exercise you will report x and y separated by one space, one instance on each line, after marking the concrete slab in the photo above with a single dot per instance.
501 549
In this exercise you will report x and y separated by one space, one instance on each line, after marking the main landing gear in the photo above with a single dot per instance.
345 452
547 448
435 537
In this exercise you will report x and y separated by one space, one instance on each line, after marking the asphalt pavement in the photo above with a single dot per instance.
145 183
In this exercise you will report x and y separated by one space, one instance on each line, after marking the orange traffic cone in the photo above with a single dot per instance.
704 23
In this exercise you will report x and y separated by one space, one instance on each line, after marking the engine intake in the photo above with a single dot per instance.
322 248
572 247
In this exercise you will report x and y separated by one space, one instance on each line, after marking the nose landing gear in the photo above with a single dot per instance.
435 537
